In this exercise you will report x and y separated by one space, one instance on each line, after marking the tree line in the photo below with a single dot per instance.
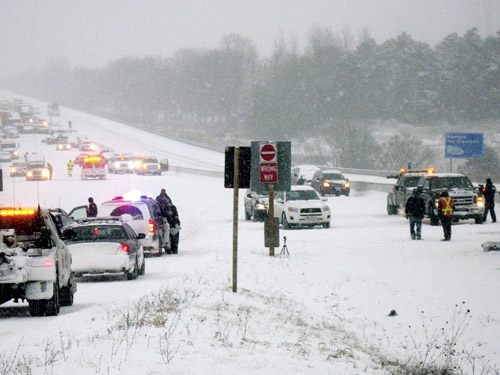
334 86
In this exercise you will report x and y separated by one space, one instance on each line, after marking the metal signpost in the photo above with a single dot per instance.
463 146
271 172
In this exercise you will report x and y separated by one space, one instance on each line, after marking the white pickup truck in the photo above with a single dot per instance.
35 264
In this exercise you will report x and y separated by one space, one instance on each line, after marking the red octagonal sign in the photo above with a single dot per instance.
268 152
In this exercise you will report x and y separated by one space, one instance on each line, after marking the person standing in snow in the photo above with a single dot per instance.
174 223
92 208
70 168
489 192
445 210
163 200
414 210
49 167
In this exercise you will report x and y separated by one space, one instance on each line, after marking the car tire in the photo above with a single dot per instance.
247 215
66 294
326 225
135 273
391 210
142 270
52 305
478 220
36 307
159 247
255 218
284 221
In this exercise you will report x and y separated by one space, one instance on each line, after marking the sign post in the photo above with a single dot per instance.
236 185
268 167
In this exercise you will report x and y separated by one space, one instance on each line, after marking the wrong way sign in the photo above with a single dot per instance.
268 166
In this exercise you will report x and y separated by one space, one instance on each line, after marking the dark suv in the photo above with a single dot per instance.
330 181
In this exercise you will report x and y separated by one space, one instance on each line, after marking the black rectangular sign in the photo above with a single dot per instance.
244 167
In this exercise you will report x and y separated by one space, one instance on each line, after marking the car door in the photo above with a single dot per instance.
279 203
79 212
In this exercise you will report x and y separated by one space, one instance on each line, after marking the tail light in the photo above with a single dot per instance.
124 247
152 227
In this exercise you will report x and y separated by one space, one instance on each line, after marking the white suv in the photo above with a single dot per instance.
302 206
143 215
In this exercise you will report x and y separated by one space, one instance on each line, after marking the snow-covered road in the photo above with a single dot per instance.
348 277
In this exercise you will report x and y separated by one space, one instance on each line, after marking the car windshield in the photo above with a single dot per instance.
458 182
411 181
37 165
333 176
302 195
107 233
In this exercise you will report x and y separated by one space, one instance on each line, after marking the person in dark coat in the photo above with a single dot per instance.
172 217
489 192
92 208
414 210
163 200
445 211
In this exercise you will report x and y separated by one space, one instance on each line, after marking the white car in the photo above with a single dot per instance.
302 206
143 214
5 156
104 245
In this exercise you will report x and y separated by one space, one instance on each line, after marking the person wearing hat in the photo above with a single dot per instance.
414 210
445 210
489 200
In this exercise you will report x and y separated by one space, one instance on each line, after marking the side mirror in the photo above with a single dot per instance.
141 236
324 199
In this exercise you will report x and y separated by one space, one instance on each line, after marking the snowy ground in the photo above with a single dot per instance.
322 310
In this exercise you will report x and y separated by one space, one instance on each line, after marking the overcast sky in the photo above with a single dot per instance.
92 32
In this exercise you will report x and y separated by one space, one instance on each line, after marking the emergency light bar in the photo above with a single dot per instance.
92 159
24 212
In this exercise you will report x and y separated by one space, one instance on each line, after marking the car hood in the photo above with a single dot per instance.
306 204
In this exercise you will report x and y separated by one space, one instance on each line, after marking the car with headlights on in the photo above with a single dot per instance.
330 181
18 169
37 171
105 245
301 207
149 165
121 164
256 206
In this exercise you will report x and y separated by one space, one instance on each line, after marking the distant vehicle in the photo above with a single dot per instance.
87 146
93 166
5 156
63 144
164 164
301 207
121 164
10 146
18 169
35 264
149 165
407 181
12 133
330 181
37 171
302 174
103 246
144 216
256 206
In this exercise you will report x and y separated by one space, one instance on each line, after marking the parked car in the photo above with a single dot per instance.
5 156
149 165
103 246
121 164
302 206
256 206
18 168
330 181
143 214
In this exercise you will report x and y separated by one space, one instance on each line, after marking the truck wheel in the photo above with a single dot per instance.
36 307
326 225
478 219
66 294
391 210
247 215
52 305
159 246
434 218
135 273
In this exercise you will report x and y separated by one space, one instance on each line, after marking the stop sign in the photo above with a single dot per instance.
268 152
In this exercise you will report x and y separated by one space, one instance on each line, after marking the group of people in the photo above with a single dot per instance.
168 211
415 210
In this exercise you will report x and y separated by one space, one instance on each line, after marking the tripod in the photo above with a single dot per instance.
284 249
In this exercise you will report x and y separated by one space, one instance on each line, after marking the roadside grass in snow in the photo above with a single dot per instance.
196 322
